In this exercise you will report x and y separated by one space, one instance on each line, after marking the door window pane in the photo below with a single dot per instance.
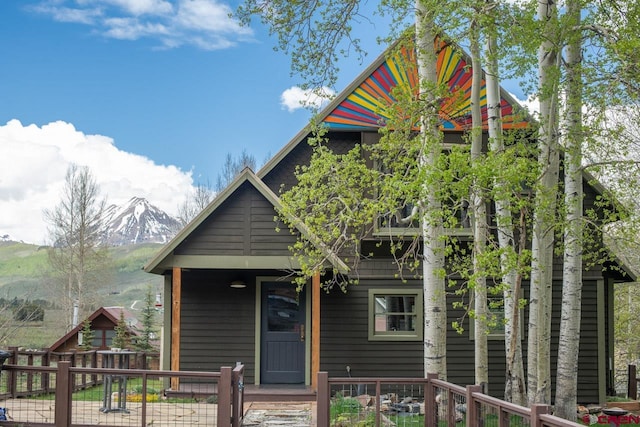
283 307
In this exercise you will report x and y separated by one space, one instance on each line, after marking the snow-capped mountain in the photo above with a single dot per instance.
138 222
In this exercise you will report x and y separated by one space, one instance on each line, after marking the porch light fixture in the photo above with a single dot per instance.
238 284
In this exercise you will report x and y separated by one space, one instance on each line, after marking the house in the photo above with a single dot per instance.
103 323
228 287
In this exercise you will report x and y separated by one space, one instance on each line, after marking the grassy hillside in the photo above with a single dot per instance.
21 260
23 274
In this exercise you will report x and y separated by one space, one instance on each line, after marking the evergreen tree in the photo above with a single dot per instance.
122 338
87 336
143 342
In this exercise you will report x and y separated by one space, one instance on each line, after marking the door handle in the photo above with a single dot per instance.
301 332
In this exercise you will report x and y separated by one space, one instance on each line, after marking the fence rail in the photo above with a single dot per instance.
34 382
124 397
216 398
88 358
441 404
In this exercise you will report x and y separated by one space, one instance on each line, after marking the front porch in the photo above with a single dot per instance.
279 393
252 392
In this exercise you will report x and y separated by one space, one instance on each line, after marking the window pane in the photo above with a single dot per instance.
395 322
496 315
97 338
395 315
109 337
283 308
395 304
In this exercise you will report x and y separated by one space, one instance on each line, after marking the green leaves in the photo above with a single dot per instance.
315 34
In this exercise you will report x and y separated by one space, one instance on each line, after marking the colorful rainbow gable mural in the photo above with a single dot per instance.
361 109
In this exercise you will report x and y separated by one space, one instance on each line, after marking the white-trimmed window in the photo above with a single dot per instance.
395 314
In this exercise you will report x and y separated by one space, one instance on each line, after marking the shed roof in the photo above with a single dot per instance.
110 313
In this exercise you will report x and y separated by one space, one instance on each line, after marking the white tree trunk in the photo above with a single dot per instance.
480 226
539 340
435 309
515 390
567 368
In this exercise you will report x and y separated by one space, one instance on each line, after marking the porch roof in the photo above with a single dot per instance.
165 259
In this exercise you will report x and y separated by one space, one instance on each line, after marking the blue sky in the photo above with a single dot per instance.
150 94
185 98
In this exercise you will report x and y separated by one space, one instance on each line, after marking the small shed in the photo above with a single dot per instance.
103 323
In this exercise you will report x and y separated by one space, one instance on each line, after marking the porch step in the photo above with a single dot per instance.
279 393
252 393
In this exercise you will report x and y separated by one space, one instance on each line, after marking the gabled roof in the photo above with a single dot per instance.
112 314
358 106
246 176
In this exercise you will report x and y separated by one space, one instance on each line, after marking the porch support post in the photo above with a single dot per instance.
176 288
315 329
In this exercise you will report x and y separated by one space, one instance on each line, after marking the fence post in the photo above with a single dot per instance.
322 400
472 408
632 382
30 373
430 402
537 410
12 378
63 395
224 397
237 384
94 364
45 361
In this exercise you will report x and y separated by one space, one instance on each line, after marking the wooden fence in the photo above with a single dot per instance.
35 382
68 409
444 403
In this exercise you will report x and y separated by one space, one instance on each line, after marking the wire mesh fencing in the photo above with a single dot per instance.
428 402
125 397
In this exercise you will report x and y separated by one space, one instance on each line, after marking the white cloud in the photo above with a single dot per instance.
132 28
69 14
35 161
201 23
208 16
296 98
532 104
140 7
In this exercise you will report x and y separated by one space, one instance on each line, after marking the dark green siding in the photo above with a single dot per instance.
243 225
344 339
283 173
217 323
